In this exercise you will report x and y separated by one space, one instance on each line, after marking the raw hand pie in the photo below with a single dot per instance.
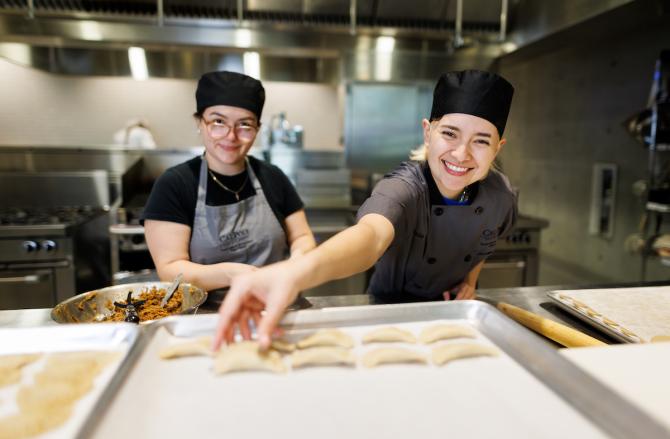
190 348
389 335
322 356
247 356
448 352
435 333
282 346
327 337
379 356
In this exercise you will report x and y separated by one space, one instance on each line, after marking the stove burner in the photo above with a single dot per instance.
46 216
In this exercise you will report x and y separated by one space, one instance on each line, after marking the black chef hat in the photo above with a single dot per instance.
481 94
230 88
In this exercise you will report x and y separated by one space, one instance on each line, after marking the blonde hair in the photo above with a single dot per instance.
419 154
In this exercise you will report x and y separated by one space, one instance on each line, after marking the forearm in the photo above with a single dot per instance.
473 275
207 277
349 252
302 245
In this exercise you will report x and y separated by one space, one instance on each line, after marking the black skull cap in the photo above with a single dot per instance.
475 92
232 89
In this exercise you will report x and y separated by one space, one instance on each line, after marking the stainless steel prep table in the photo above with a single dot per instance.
533 299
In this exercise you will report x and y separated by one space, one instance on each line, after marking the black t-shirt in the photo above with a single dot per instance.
174 194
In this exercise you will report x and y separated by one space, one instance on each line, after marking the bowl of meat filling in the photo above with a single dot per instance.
138 302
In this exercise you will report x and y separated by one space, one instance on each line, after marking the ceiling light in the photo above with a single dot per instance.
138 63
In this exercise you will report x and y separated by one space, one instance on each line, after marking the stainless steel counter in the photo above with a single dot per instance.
533 299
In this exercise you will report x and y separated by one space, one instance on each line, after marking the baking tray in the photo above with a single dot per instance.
528 391
630 315
120 337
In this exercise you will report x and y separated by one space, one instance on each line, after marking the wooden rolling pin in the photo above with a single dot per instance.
561 334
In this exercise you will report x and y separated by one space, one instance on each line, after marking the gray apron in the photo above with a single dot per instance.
247 232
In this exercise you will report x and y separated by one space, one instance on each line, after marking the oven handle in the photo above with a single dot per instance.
33 265
30 278
501 265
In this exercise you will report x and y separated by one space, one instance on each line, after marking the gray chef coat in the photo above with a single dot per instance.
247 232
435 246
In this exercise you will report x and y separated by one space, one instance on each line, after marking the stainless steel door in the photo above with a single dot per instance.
503 272
31 288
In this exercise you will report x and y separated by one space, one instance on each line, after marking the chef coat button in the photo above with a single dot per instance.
467 258
479 210
432 260
439 211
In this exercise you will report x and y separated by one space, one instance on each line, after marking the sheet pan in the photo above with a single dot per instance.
528 391
631 315
120 337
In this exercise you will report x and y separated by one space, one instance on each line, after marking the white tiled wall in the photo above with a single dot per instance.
38 108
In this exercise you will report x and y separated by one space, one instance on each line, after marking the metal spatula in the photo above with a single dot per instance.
170 291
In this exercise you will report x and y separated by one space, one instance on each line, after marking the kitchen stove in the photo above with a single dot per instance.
50 254
35 216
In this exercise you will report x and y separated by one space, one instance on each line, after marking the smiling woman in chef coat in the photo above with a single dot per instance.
428 226
224 213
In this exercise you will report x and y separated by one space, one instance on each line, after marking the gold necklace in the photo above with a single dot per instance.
237 192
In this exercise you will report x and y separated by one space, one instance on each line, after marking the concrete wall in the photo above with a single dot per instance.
567 115
38 108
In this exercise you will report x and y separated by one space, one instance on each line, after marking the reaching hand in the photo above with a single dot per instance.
463 291
272 288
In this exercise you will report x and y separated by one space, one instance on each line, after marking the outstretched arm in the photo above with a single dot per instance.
274 287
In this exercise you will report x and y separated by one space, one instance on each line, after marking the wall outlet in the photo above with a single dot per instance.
603 197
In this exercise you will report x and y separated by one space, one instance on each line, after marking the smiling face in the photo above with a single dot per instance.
460 150
226 153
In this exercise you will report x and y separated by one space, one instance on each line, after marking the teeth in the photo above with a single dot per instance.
454 168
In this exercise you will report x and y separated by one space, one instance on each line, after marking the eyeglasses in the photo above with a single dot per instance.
218 129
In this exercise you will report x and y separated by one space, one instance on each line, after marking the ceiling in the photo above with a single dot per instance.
477 15
297 40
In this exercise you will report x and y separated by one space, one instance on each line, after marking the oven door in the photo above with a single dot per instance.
27 288
503 271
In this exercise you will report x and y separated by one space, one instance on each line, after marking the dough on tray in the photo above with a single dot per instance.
435 333
388 335
247 356
30 424
11 365
45 395
380 356
48 401
76 364
327 337
453 351
200 346
323 356
282 346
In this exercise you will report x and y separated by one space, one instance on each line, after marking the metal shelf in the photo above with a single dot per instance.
657 207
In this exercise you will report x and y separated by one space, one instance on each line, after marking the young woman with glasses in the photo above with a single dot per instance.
224 213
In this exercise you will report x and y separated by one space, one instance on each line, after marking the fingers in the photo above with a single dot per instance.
228 313
243 324
273 314
466 294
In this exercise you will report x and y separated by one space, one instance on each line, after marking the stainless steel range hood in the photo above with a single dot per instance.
286 40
